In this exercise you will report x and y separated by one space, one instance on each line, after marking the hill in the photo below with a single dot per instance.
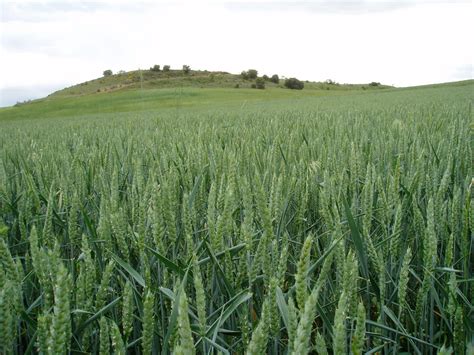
147 90
149 79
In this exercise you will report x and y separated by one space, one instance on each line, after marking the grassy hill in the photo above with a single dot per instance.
145 90
149 79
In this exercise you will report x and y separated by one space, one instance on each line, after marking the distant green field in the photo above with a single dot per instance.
151 100
232 221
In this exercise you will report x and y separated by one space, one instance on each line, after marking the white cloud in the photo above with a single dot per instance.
46 43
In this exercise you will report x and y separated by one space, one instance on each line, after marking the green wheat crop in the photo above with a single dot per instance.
333 227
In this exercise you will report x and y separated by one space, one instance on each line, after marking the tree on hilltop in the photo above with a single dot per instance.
252 74
249 74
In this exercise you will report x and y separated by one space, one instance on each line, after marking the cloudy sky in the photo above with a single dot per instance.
47 45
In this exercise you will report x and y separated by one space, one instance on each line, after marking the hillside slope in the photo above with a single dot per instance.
145 90
149 79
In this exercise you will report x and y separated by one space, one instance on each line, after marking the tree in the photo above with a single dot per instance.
107 72
265 77
186 69
252 74
374 83
244 75
260 83
293 83
166 68
156 67
275 79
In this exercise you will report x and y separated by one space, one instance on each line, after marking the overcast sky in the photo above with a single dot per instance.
47 45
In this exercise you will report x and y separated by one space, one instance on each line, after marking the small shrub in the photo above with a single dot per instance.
374 83
186 69
107 72
260 83
166 68
253 86
156 67
237 86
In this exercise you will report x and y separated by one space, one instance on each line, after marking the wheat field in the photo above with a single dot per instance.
342 225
